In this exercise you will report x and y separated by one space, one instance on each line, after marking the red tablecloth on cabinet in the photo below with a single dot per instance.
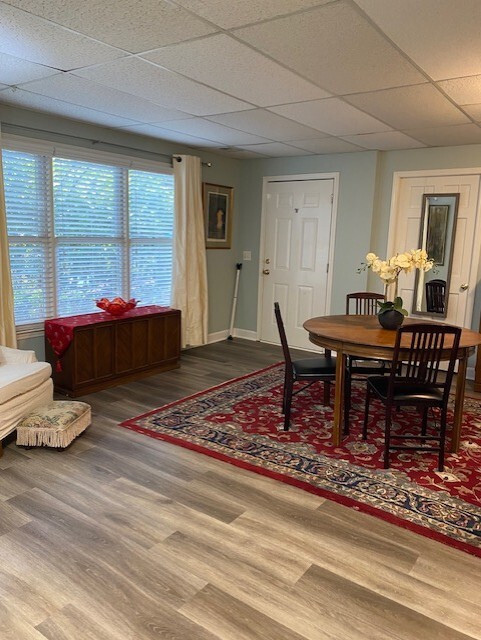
59 331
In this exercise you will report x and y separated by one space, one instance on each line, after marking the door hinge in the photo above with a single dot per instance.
327 267
332 198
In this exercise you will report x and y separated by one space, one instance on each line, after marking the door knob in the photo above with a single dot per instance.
464 286
266 272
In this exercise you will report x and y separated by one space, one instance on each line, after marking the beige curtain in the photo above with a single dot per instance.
189 290
8 336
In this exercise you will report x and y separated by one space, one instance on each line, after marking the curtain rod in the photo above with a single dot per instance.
11 128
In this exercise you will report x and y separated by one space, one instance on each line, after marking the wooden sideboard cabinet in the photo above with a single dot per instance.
106 351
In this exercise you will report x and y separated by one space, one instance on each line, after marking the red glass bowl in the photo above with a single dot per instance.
117 306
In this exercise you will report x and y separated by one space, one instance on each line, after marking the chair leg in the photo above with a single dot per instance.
442 440
387 436
287 403
424 425
366 413
284 391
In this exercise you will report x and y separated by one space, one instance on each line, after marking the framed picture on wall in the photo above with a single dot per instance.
218 203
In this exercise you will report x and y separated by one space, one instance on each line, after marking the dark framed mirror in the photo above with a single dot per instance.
437 235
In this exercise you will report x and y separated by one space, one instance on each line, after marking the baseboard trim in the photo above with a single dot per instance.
218 336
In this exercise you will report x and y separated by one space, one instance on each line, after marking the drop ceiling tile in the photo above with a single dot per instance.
440 36
128 24
28 100
235 14
244 73
37 40
473 111
15 71
213 131
266 124
326 145
331 116
242 154
334 47
173 136
276 149
463 90
94 96
386 141
163 87
447 136
410 107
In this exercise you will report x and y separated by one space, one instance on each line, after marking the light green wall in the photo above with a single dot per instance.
363 213
357 191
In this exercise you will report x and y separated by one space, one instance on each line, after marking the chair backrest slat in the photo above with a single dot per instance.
418 353
364 303
435 296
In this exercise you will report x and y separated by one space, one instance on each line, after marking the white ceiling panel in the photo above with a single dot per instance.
94 96
213 131
474 111
267 124
326 145
242 154
60 108
334 47
229 14
333 115
253 78
36 40
274 149
447 136
128 24
410 107
15 70
463 90
386 141
415 26
162 87
244 73
173 136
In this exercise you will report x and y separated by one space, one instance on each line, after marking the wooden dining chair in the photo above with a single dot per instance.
360 303
308 370
417 380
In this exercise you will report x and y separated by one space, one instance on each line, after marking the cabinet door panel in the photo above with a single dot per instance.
140 343
123 347
164 338
93 353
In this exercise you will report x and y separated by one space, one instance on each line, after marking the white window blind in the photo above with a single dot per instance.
81 230
151 228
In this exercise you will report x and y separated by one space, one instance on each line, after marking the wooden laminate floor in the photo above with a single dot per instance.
124 537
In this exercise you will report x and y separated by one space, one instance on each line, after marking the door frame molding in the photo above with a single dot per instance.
297 177
398 176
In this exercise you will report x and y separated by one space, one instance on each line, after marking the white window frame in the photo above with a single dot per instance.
49 149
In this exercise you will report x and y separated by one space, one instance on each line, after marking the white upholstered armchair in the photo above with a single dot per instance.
25 384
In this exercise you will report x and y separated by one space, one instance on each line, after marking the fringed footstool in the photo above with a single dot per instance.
53 425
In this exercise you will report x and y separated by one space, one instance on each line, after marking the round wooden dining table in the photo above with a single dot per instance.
362 335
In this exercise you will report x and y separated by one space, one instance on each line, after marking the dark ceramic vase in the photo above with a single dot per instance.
391 319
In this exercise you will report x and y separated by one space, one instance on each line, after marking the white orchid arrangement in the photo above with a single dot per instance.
389 270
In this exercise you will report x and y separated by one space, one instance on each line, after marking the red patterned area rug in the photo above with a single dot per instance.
240 422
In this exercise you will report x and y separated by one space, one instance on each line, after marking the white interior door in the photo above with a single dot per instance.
294 263
405 235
